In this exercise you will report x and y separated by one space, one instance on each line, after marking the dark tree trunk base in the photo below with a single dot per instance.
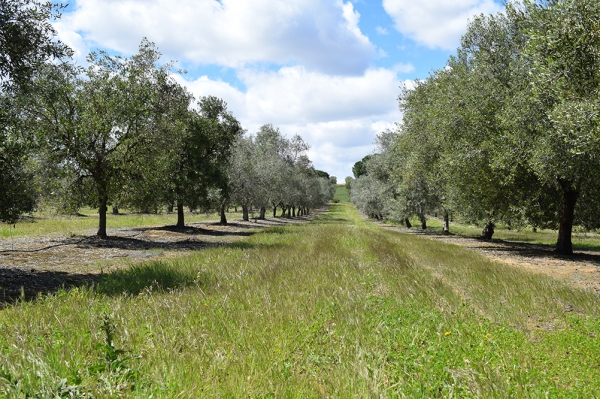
564 245
102 209
245 213
446 226
407 223
223 220
180 216
488 231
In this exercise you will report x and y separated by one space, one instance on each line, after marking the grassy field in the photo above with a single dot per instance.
87 223
334 308
341 194
581 240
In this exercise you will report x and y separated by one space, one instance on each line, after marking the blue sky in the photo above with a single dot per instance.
327 70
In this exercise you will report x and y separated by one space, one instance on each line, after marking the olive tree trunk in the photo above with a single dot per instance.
488 230
446 226
423 222
223 220
180 215
564 245
102 216
245 212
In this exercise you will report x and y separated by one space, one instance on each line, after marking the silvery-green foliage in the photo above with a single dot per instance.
268 170
370 196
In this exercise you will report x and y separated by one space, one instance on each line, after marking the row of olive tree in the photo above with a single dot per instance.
122 131
269 171
509 130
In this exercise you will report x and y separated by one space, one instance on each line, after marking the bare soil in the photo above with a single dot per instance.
30 266
580 270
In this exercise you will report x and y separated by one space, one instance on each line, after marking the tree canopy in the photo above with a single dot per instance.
26 44
27 38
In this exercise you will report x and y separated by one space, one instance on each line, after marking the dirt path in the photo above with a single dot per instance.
43 264
580 270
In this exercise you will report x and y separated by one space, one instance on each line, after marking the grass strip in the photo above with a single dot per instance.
337 307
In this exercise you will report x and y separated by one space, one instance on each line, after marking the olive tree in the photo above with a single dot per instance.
98 121
216 130
563 56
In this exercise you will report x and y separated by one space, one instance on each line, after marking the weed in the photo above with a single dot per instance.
113 366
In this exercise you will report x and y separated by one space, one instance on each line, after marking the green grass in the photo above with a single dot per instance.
334 308
341 193
88 223
581 240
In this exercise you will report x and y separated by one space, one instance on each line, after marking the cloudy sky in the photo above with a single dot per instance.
329 70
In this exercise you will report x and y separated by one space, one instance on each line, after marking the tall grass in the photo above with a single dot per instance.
341 193
335 308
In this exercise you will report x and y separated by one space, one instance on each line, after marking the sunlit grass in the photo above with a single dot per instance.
65 225
341 193
335 308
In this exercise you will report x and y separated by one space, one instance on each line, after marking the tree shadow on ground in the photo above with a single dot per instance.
530 250
19 284
513 248
195 231
120 242
22 285
128 243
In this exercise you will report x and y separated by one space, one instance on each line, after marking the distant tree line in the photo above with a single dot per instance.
508 131
122 132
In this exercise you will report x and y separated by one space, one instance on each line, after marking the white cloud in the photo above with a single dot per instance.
381 31
73 40
320 35
436 23
409 84
203 86
338 116
337 161
403 68
293 93
381 53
